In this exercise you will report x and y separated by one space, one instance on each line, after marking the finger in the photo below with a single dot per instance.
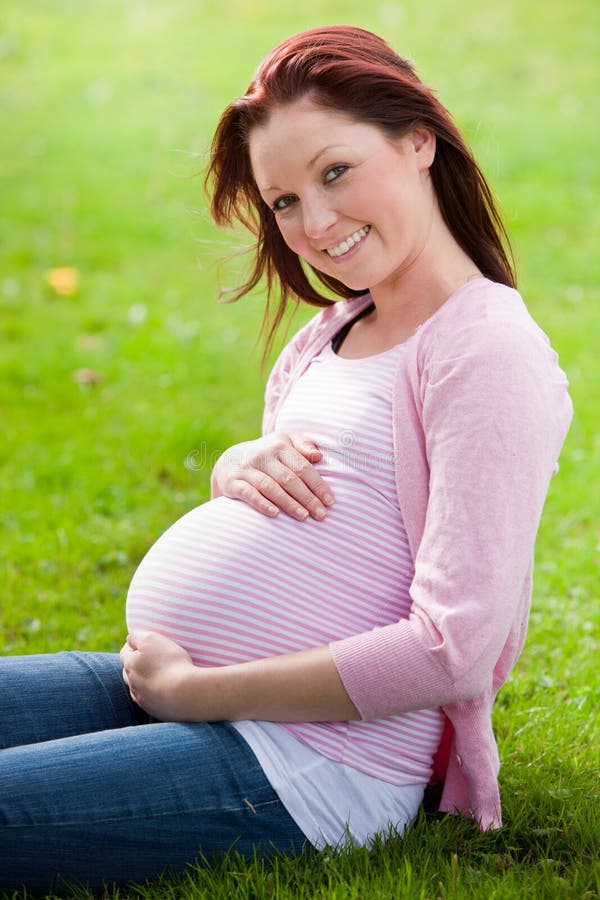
302 481
257 482
305 446
130 642
312 478
286 490
125 653
243 490
135 638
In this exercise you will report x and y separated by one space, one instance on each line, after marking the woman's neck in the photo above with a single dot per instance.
414 294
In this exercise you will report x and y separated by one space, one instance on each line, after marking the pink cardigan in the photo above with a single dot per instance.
480 414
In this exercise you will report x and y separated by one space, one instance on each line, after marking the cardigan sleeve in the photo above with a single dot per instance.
280 378
277 382
494 411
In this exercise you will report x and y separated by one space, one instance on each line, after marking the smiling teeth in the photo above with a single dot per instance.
350 241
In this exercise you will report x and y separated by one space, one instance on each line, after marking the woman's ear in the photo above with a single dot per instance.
423 144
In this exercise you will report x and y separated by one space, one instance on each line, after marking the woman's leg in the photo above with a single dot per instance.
127 804
61 694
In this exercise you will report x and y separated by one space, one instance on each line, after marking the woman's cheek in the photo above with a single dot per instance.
290 234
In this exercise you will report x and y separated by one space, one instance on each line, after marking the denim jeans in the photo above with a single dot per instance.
95 792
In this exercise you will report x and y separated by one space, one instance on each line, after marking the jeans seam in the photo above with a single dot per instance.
246 807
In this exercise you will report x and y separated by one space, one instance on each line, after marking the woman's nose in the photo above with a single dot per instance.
318 218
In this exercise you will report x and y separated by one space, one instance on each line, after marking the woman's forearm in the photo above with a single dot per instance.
294 687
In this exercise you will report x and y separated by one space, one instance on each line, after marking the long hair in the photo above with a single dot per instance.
355 72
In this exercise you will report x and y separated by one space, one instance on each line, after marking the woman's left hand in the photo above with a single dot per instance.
158 673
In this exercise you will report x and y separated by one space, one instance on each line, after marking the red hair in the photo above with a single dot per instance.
354 71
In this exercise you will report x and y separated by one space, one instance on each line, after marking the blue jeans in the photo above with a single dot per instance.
93 791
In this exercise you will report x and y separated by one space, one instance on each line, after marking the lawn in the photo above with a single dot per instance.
118 389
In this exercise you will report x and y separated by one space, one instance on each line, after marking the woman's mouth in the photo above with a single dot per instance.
348 243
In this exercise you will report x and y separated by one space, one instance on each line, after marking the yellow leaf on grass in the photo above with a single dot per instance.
63 281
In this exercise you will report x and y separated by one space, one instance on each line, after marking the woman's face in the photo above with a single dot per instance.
354 203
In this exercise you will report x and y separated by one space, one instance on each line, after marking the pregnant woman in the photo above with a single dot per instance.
327 635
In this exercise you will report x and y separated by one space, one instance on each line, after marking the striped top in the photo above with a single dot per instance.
230 584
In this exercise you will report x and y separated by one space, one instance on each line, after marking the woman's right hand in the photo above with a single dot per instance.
274 472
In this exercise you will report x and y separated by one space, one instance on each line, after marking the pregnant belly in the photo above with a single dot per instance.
230 584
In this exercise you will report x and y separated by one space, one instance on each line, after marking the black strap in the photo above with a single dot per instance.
338 339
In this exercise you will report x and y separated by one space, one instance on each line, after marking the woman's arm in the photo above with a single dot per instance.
296 687
492 410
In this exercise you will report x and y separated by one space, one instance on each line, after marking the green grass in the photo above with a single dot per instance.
108 109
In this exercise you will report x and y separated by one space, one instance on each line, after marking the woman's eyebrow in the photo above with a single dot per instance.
309 165
321 152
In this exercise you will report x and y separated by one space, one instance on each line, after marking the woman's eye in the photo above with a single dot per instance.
334 172
283 202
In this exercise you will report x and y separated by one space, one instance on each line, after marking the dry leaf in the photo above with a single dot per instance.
63 281
87 376
90 341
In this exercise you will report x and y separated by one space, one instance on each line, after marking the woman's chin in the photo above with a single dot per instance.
352 283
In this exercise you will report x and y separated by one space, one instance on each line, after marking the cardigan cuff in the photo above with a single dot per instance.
389 670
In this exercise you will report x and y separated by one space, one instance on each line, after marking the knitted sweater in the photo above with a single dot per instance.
481 411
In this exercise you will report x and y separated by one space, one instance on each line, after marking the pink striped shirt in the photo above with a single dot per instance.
230 584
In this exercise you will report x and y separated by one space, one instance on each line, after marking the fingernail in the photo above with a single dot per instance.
320 511
328 499
302 513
